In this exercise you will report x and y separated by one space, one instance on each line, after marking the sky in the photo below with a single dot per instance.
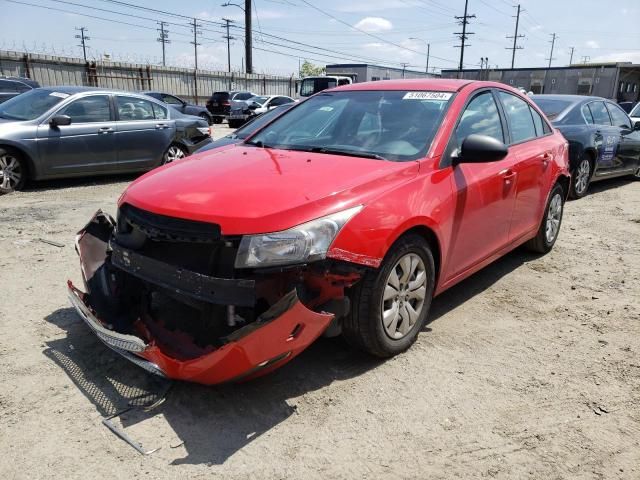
287 32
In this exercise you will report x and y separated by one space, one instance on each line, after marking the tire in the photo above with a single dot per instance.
549 229
173 153
235 123
365 326
14 172
581 177
217 120
206 118
636 174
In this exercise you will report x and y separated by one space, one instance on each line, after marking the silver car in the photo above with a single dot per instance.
77 131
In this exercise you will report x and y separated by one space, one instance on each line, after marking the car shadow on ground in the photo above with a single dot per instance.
59 184
611 183
215 422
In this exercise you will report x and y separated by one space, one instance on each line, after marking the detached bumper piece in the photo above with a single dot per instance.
175 322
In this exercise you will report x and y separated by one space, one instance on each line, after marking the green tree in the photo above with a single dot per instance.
308 69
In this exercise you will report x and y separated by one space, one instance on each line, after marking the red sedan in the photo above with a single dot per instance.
345 215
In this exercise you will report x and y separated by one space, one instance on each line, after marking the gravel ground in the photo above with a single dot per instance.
529 369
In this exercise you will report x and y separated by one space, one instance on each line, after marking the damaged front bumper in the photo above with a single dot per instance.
123 306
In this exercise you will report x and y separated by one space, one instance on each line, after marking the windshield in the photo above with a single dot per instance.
636 111
259 100
259 122
31 104
310 86
391 125
551 107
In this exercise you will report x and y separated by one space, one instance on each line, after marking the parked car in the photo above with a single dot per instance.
347 213
13 86
77 131
181 105
249 128
635 115
242 112
626 106
219 105
602 141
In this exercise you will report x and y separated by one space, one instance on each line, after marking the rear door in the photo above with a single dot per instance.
485 192
143 132
85 146
628 153
532 153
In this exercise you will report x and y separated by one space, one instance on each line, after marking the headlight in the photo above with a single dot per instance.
304 243
204 130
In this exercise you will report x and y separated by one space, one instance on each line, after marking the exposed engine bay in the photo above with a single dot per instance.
171 284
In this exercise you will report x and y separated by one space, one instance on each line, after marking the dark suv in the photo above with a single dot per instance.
219 105
13 86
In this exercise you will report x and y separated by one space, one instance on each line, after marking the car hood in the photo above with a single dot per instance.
257 190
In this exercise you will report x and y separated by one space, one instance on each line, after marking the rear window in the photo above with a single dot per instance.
220 96
551 107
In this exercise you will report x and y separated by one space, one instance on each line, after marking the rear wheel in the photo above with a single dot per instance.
390 305
235 123
13 171
206 118
581 177
547 235
636 174
217 120
174 152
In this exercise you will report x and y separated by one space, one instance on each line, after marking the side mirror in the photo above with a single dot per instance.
60 120
480 149
636 125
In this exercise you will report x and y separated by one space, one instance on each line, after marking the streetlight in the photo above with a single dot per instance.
247 32
426 70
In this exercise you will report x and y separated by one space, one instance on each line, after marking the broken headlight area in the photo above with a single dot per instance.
165 293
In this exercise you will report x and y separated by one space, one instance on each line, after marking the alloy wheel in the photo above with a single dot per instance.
10 172
554 216
582 176
404 296
174 153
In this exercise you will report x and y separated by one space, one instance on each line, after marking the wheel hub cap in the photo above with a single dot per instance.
10 172
554 215
582 176
404 295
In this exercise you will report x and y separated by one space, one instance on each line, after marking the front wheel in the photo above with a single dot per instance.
13 171
580 178
547 234
173 153
390 305
217 120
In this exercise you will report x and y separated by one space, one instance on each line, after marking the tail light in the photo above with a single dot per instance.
226 104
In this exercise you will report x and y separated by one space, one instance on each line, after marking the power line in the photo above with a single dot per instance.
464 20
515 39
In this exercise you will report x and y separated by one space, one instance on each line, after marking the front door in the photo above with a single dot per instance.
484 192
143 132
608 138
85 146
628 153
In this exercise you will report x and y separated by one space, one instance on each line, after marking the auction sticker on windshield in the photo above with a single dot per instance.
427 96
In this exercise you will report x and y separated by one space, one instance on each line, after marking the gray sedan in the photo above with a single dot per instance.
76 131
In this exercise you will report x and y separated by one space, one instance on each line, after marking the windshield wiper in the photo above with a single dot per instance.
259 144
350 153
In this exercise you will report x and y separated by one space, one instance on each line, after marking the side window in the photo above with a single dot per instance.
586 113
538 122
519 117
6 86
160 113
91 109
618 116
243 96
132 108
279 101
599 113
171 100
481 116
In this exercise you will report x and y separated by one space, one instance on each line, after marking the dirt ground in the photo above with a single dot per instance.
529 369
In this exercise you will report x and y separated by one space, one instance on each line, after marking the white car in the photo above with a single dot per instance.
635 114
267 102
244 111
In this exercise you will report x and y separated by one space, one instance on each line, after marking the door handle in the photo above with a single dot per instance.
507 175
160 126
105 130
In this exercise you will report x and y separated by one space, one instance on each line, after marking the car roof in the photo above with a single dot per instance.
440 84
568 98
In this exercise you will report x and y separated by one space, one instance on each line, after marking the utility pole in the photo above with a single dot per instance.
585 59
248 51
228 38
426 70
553 42
164 39
463 20
195 43
515 39
571 57
83 41
404 65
